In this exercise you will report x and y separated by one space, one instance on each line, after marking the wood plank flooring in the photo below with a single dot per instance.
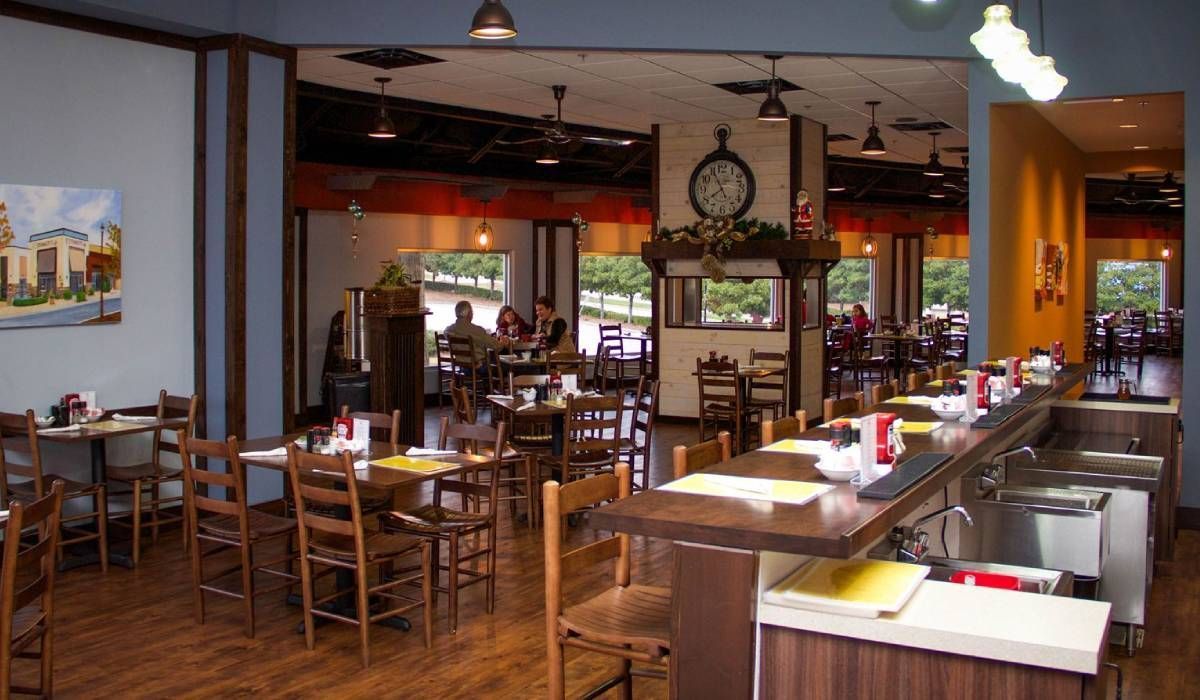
131 633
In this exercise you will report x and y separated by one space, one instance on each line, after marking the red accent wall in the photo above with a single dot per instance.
440 199
956 224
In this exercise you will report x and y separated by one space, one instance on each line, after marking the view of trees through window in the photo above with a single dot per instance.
735 301
451 277
612 288
849 283
1124 284
945 282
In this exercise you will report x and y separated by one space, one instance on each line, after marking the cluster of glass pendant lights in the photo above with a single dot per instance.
1007 47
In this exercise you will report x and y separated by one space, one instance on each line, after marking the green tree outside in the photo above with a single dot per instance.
735 300
615 275
945 281
1123 284
849 283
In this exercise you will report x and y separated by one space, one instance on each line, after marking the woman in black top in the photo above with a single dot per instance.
552 328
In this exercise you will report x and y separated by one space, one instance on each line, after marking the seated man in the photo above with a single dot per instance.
462 326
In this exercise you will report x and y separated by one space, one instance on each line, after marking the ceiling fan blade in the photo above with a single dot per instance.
603 141
522 142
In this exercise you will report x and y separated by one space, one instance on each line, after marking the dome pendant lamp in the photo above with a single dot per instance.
934 167
773 109
998 36
382 128
492 21
1169 185
873 145
484 237
548 155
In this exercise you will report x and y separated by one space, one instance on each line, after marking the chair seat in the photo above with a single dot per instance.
636 615
721 408
509 452
629 446
433 519
379 545
25 490
27 623
147 471
262 525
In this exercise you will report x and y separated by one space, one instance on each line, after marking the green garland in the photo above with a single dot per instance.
763 230
718 236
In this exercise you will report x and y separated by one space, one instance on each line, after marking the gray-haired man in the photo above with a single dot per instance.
462 326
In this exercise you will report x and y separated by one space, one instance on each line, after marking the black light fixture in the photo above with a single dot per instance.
773 109
492 21
937 190
548 155
873 145
836 182
1127 194
383 128
934 167
1169 185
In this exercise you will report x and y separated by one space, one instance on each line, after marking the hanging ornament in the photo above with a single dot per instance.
356 211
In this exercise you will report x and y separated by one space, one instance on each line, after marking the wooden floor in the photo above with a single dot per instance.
131 633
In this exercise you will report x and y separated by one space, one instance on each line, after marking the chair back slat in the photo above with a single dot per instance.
686 460
784 428
31 563
313 495
197 479
585 557
470 439
215 505
384 426
883 392
836 408
21 438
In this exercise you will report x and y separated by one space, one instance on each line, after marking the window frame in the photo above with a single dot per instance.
1163 287
676 285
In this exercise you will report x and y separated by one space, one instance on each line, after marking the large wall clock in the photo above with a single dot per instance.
722 184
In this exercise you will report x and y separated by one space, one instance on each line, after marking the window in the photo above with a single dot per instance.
944 285
612 288
849 283
449 278
734 303
1125 284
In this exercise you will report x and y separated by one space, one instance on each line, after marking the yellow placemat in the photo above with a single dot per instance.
411 464
935 382
865 584
919 427
111 425
916 400
797 447
779 491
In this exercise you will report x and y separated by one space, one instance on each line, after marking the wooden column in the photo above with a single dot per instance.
396 348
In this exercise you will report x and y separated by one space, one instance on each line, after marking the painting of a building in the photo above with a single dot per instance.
14 271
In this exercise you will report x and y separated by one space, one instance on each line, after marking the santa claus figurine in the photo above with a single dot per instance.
803 214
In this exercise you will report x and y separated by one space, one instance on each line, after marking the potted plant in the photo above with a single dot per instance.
394 294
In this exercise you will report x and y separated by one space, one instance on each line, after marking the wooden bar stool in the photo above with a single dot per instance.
836 408
229 524
629 621
686 460
27 612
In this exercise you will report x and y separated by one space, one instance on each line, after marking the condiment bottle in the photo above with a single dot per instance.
982 398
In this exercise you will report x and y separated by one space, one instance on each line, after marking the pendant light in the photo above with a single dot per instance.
484 237
1169 186
492 21
873 145
998 36
1166 251
1043 83
836 182
1127 194
869 247
934 167
383 128
548 155
937 190
773 109
1017 65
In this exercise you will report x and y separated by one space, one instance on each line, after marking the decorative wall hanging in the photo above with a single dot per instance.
357 214
1060 272
60 256
581 228
1039 267
717 236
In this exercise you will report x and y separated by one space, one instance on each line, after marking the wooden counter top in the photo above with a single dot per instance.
837 524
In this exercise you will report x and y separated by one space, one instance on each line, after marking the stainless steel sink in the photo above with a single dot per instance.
1032 580
1047 497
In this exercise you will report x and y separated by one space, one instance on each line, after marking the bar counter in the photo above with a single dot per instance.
716 568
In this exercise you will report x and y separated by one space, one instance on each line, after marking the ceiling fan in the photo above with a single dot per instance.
555 132
1128 195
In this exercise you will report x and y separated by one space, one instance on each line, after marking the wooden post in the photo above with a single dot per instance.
396 350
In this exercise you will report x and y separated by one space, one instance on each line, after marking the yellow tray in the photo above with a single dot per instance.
797 447
776 490
411 464
858 587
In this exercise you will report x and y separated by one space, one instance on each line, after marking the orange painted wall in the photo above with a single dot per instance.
1037 191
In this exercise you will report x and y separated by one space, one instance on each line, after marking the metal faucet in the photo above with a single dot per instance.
1009 453
994 473
912 543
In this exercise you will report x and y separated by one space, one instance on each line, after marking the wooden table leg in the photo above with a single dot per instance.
712 622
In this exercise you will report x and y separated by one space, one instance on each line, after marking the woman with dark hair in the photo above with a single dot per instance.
551 328
509 323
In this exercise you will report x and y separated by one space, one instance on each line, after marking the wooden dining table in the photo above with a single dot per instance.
719 540
553 411
899 339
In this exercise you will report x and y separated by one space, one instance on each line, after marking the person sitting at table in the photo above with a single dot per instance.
550 327
858 319
462 326
510 324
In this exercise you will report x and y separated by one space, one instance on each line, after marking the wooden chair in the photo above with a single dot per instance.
722 403
219 524
27 590
473 374
770 393
529 435
445 365
341 544
460 403
23 440
591 438
870 367
641 431
916 380
883 392
153 475
686 460
784 428
836 408
569 363
438 523
837 363
384 426
628 621
1131 350
947 370
614 366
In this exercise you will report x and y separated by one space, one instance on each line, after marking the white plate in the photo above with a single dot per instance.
949 415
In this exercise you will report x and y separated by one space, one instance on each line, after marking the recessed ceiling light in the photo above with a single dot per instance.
1141 148
1128 126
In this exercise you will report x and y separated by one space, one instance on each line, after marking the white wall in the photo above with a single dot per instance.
83 110
332 267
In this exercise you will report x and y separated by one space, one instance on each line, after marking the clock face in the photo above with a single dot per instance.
722 187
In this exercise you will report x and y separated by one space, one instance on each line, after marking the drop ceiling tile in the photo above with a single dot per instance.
457 55
821 83
509 62
555 75
439 71
436 92
600 89
863 65
660 81
954 69
328 66
860 95
577 58
694 63
630 68
807 66
743 71
367 79
491 82
535 94
943 86
731 106
916 74
694 91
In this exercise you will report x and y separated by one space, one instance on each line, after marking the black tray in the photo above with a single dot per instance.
1136 398
904 476
996 416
